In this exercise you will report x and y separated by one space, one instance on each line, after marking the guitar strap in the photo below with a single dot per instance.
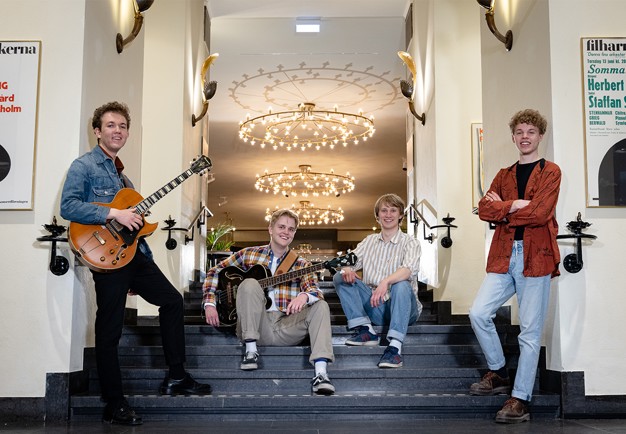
286 264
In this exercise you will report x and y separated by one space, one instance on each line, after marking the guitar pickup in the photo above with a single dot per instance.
113 230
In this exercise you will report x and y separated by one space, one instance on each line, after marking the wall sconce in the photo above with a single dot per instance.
140 6
208 89
408 89
491 23
414 217
59 265
574 261
223 201
199 220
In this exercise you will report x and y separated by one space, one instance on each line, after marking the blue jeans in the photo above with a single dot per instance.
533 295
401 310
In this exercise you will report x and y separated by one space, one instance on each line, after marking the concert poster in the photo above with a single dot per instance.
604 100
19 87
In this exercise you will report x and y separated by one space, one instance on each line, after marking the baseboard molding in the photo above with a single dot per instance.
574 403
14 410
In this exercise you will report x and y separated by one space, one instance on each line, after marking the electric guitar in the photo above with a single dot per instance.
111 246
231 277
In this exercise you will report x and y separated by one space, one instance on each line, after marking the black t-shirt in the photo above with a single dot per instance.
523 173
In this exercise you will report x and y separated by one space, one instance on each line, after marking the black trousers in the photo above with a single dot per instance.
145 279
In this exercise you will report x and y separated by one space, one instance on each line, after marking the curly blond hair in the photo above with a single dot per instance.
530 117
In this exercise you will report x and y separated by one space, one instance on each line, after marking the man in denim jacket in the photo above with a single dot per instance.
97 177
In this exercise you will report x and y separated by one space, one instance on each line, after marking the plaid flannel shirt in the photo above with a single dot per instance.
249 256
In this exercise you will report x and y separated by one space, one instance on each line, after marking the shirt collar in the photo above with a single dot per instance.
395 239
119 166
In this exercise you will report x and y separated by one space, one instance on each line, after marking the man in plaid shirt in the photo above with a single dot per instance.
297 307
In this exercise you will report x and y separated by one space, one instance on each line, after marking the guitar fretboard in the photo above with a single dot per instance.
145 204
286 277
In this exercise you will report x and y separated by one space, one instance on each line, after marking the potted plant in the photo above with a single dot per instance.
216 245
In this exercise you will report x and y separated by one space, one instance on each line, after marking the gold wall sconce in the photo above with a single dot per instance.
507 39
140 6
408 88
208 88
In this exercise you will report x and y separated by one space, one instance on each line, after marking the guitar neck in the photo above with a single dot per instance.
286 277
145 204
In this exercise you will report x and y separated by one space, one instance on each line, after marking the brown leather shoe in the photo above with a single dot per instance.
491 384
513 411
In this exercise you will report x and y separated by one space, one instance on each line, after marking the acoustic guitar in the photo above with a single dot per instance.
231 277
110 246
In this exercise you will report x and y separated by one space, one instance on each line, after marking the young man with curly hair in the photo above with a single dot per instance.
523 257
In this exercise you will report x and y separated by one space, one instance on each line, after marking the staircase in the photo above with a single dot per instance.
441 359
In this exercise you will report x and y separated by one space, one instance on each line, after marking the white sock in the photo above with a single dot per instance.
396 343
320 367
251 347
370 328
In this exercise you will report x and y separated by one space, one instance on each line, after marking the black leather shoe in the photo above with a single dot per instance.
121 413
186 386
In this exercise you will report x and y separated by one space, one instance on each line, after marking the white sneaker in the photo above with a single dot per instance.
250 361
321 385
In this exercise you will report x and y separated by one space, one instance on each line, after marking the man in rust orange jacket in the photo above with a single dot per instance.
523 257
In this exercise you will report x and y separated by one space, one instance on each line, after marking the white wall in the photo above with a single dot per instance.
48 320
36 308
451 95
589 305
458 92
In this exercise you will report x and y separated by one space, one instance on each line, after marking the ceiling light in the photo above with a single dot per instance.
308 25
304 183
306 128
309 215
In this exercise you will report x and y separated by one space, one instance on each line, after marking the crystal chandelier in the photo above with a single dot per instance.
306 128
304 183
310 215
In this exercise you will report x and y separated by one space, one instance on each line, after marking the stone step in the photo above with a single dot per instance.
294 381
278 358
303 406
421 334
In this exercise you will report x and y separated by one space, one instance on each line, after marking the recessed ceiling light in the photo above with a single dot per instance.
308 26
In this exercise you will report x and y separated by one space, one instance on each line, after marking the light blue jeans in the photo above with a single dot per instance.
401 310
533 295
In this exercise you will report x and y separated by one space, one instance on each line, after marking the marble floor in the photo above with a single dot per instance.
570 426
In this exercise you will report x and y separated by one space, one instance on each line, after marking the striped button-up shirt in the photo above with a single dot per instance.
250 256
379 258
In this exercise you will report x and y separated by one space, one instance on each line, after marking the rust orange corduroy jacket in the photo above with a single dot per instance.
541 252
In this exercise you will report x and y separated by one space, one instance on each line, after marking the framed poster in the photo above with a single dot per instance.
478 174
19 87
604 100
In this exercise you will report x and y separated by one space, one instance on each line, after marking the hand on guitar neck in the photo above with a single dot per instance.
127 217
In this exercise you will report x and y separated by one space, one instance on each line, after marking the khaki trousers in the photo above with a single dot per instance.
278 329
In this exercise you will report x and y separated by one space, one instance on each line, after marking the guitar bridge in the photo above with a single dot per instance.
97 236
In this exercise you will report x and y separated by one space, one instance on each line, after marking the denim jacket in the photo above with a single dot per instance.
93 178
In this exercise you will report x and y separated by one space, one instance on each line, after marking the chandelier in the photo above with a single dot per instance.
306 128
310 215
304 183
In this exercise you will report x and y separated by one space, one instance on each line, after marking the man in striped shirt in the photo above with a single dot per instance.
387 292
296 308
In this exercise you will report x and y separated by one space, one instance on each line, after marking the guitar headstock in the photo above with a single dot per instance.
200 164
341 261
